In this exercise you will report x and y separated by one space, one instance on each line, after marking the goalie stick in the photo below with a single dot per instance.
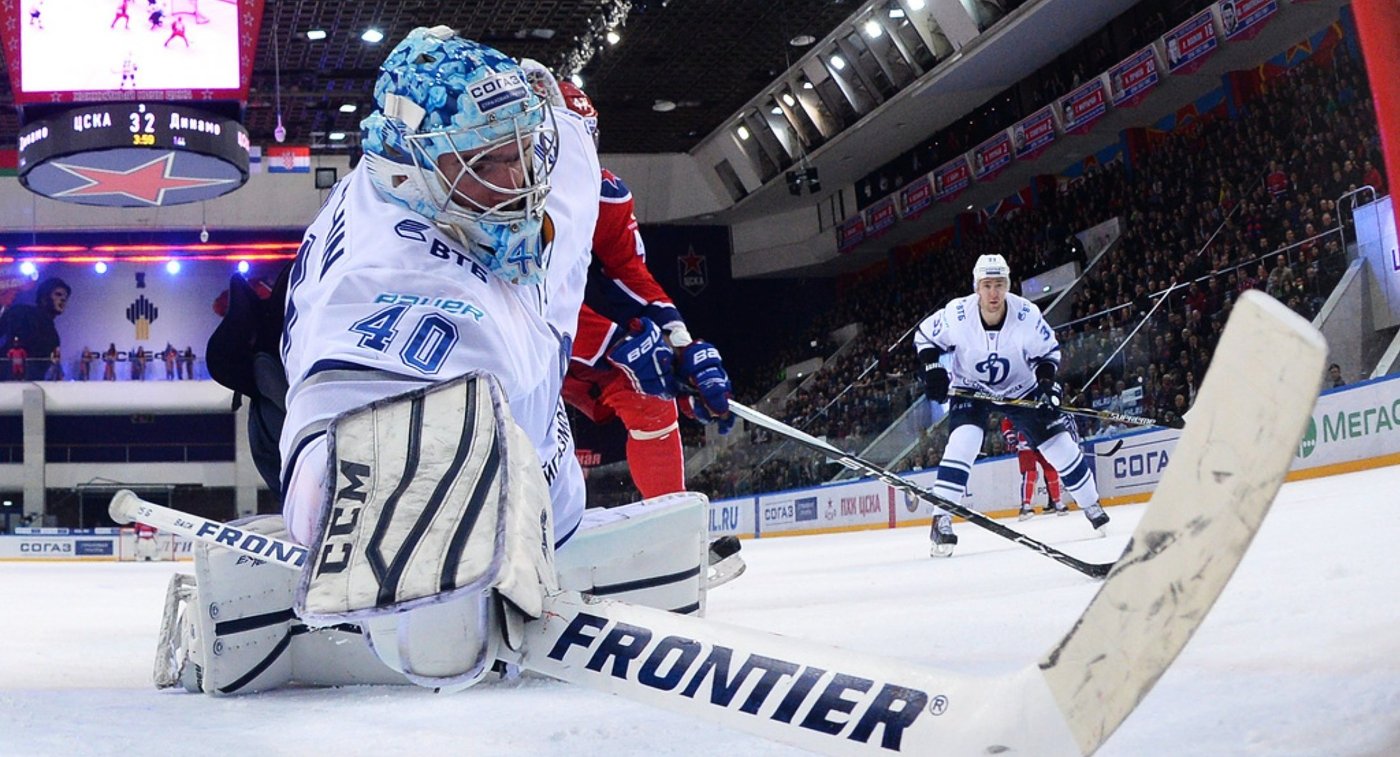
1210 502
1105 415
1092 570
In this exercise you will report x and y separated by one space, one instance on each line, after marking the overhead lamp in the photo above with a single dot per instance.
838 63
336 136
806 85
873 29
576 80
243 267
775 110
316 35
663 106
348 108
100 266
896 13
372 36
802 40
916 5
172 266
789 100
743 132
612 37
29 269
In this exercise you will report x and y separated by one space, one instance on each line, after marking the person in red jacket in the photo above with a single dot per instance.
1029 458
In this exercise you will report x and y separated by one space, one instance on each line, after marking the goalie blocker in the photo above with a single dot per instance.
435 546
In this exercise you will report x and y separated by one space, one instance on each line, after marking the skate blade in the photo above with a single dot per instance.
941 550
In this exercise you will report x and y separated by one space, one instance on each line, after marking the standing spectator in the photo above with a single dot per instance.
55 372
134 357
171 356
17 356
188 360
85 364
34 326
109 363
1334 376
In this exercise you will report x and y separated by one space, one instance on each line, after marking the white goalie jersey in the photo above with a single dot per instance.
381 302
1000 361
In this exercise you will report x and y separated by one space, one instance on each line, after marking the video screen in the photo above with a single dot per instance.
119 49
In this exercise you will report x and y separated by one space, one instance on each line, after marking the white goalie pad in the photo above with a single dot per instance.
436 493
653 553
230 629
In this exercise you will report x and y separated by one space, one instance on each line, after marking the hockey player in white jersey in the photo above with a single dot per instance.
426 455
996 342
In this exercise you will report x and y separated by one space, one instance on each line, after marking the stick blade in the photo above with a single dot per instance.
1228 465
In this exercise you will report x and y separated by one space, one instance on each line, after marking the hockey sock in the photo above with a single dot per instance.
656 461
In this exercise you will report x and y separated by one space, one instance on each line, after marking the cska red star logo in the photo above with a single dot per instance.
146 183
694 272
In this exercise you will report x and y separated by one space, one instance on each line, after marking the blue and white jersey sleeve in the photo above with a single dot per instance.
1039 343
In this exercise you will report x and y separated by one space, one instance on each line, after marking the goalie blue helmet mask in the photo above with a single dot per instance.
459 137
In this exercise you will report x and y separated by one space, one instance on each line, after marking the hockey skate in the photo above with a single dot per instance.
943 537
1027 512
725 562
1059 508
1097 517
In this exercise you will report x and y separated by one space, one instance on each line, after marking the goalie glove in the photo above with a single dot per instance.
935 376
701 371
646 359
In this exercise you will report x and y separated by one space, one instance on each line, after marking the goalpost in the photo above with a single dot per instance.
188 8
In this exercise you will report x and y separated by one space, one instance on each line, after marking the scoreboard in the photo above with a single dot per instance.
133 154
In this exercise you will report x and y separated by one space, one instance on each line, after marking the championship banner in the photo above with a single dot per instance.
1129 81
916 197
1033 134
879 218
992 157
850 233
951 178
1082 108
1244 19
1188 45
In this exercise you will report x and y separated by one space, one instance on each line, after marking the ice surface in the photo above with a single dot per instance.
1301 656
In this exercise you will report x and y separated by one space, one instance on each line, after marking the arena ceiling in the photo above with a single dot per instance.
708 57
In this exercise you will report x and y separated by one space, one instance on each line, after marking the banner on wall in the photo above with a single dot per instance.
1130 80
951 178
850 233
1033 133
992 156
1082 108
1189 44
879 218
915 198
1244 19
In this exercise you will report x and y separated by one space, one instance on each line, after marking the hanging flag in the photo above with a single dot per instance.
288 159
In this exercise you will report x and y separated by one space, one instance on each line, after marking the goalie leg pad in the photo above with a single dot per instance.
438 503
653 553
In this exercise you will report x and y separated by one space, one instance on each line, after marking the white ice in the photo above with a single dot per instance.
1301 656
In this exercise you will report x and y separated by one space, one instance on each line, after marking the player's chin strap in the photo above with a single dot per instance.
1104 415
1093 570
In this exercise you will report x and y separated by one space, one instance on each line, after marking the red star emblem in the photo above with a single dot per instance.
691 263
147 182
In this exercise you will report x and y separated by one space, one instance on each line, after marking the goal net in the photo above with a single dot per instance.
188 8
130 548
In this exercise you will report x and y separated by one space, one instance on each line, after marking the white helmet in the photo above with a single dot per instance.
991 267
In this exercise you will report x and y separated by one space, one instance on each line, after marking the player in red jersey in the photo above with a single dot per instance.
1029 458
600 383
122 15
177 29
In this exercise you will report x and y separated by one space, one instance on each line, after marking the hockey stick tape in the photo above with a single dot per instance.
123 507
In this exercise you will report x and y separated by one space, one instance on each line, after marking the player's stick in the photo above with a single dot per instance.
1093 570
1106 415
126 507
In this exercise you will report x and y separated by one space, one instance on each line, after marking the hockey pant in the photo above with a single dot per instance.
654 454
1029 460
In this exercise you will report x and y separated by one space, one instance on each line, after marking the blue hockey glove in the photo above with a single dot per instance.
700 369
645 358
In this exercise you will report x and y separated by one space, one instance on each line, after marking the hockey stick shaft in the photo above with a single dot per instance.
1106 415
1093 570
126 507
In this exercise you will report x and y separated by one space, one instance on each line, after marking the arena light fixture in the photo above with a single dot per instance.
243 267
916 5
349 108
612 37
802 40
873 29
316 35
172 266
775 110
896 13
336 136
743 132
28 268
372 36
838 63
100 266
789 100
576 80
